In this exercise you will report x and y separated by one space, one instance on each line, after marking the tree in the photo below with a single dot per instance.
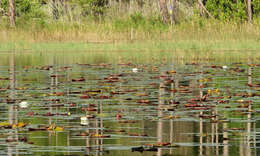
164 11
173 12
256 8
227 9
203 8
54 9
1 9
12 13
94 7
249 11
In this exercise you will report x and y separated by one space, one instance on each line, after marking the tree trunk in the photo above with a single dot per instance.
140 3
11 13
164 11
54 9
173 10
203 8
249 11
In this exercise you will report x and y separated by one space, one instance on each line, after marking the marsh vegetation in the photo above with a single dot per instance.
202 25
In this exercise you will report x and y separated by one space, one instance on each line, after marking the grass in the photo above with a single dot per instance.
136 29
149 45
131 35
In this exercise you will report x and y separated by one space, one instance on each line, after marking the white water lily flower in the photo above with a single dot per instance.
135 70
84 121
224 67
23 104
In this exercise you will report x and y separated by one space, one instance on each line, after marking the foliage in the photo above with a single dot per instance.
138 21
124 14
92 7
256 7
29 8
227 9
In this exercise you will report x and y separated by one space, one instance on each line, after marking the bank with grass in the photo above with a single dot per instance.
129 26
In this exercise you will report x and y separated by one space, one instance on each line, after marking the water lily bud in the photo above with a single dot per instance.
84 121
135 70
23 104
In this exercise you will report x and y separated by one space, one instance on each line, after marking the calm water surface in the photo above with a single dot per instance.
133 105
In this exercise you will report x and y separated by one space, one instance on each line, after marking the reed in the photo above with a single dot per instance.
139 28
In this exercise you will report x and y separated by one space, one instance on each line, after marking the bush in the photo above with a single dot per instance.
92 7
29 8
256 8
227 9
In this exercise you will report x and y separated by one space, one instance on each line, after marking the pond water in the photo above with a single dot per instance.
129 104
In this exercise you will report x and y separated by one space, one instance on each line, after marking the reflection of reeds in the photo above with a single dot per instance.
134 57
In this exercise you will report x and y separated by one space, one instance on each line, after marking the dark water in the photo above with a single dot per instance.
166 106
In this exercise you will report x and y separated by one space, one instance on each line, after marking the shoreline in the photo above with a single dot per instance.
152 46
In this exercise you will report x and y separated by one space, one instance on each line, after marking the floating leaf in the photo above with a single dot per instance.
83 134
3 124
21 124
143 101
135 134
99 136
58 129
78 79
171 117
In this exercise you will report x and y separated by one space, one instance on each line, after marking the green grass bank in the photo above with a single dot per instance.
125 35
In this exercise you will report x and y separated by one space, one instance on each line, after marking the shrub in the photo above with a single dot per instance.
227 9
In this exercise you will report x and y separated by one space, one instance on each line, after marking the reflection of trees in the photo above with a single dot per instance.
173 86
248 147
215 131
68 102
50 104
12 110
250 124
201 121
225 140
12 87
53 105
160 114
99 126
95 143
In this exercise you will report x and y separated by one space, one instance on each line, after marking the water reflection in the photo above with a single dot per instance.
12 110
168 108
160 114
